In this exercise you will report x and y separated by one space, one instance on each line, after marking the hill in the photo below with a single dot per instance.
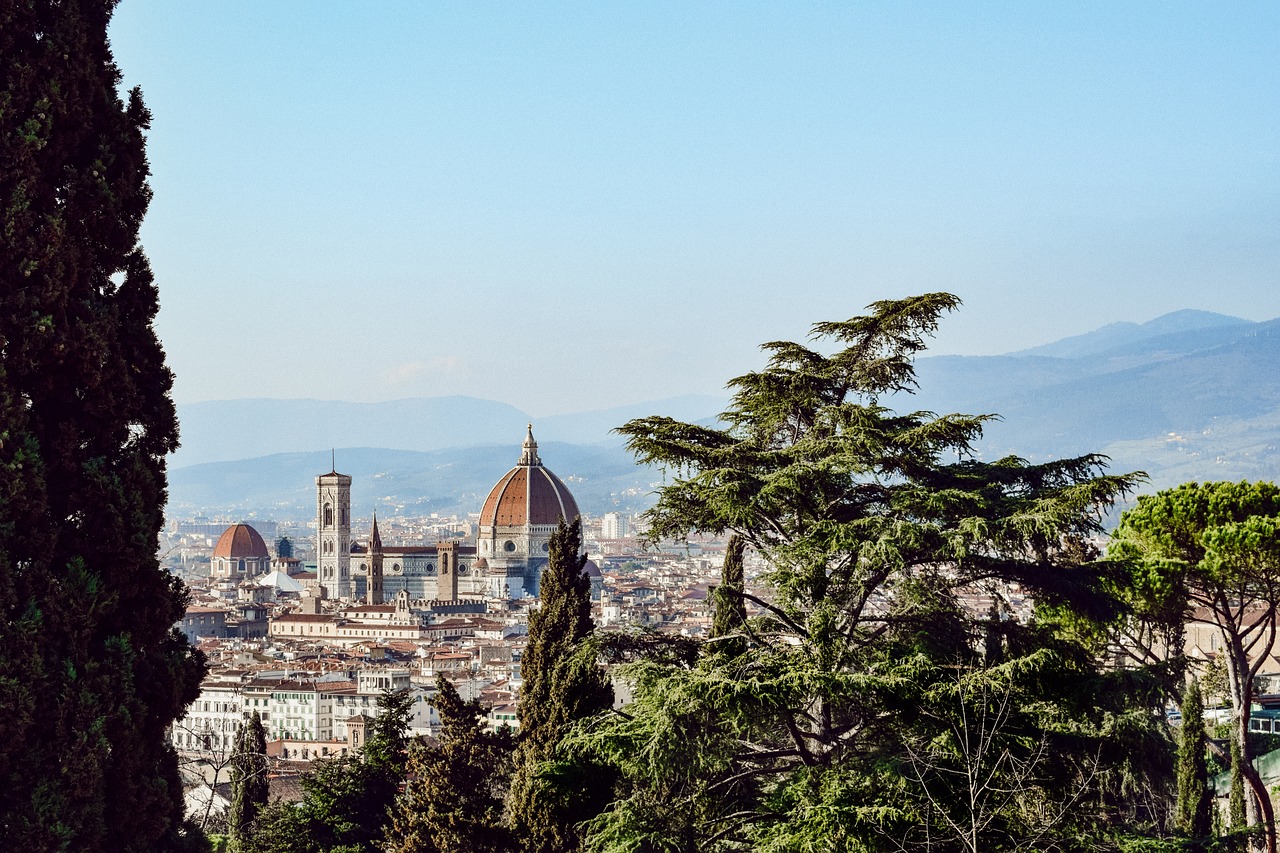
1188 396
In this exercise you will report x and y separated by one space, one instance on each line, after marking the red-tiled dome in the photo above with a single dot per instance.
240 540
528 494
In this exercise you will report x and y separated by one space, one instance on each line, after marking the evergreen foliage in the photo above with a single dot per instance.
563 684
867 692
346 801
453 801
729 614
249 783
1214 548
1192 817
91 670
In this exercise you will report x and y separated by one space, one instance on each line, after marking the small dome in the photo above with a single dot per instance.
241 541
591 570
528 494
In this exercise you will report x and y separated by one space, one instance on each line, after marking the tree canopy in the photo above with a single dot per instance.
1210 552
455 795
91 669
840 725
562 683
249 782
346 803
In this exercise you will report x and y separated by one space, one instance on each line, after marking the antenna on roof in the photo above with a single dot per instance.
333 459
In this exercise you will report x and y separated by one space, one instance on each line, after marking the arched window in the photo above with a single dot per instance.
328 516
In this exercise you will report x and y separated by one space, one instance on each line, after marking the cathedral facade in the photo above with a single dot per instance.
506 561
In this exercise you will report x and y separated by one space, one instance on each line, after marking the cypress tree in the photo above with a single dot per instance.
1192 815
91 669
562 684
729 615
1235 804
249 782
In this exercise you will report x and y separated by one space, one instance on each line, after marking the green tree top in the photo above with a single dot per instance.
839 493
871 523
1212 551
561 679
563 684
91 671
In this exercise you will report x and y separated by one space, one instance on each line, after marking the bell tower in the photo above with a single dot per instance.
374 593
333 533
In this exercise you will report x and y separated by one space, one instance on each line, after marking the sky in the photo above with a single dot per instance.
574 206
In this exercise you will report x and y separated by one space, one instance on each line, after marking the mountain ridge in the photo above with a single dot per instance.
1190 395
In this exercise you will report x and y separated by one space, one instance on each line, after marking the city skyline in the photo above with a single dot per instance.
574 207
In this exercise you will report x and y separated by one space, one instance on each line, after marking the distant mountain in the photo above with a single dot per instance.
1116 335
282 486
226 430
1191 402
1190 395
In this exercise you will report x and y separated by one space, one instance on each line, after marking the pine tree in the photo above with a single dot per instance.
91 670
249 782
871 523
562 684
453 801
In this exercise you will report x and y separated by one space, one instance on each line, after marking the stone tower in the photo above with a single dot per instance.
333 533
375 564
447 587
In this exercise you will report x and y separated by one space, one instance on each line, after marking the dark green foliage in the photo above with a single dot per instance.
563 684
1194 801
249 784
729 617
1208 547
1235 808
453 802
91 670
346 801
840 725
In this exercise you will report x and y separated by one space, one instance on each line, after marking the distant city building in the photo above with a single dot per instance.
240 553
333 533
517 520
505 562
614 525
200 621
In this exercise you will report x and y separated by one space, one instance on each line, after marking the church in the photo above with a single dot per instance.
505 562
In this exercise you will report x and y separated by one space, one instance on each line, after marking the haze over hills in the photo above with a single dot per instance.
229 430
1190 395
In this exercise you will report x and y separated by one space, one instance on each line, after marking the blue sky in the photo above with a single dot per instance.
573 206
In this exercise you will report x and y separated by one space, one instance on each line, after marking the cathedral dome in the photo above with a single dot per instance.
528 494
240 541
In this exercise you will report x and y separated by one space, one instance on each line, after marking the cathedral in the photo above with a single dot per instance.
505 562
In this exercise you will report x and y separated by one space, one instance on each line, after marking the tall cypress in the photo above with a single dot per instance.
249 783
562 684
91 669
729 615
1192 817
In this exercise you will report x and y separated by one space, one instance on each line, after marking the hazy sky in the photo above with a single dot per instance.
573 206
